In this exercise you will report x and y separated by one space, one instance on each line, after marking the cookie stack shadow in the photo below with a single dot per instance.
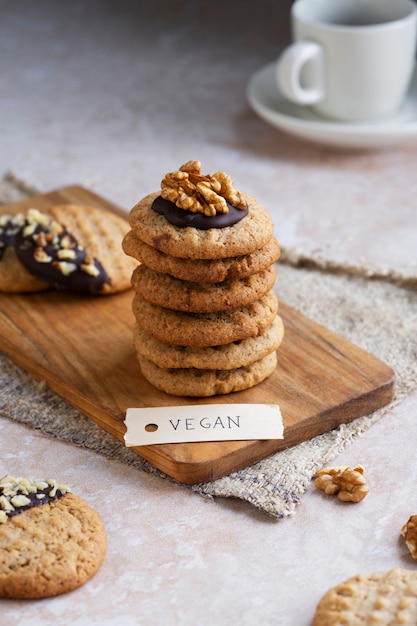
204 326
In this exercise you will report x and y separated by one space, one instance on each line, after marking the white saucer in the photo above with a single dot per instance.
265 99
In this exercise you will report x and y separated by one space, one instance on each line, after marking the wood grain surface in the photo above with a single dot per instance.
82 348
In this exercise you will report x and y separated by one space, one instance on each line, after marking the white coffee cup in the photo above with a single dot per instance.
350 59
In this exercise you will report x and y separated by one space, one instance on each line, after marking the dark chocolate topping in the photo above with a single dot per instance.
58 260
36 499
19 494
181 218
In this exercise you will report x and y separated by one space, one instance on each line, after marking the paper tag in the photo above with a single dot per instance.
208 422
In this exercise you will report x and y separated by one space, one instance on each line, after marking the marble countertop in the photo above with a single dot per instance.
111 95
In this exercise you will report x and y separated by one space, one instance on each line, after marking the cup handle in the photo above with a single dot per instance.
289 72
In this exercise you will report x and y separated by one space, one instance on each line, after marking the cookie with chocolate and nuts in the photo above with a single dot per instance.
224 357
51 541
75 247
202 270
180 295
71 247
205 329
151 221
198 382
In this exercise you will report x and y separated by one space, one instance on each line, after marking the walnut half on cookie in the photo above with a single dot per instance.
193 191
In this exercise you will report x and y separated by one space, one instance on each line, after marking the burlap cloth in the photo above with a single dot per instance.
378 313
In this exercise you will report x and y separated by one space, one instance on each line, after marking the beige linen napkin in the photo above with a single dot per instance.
377 314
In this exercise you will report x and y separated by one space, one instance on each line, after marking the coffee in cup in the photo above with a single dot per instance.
350 60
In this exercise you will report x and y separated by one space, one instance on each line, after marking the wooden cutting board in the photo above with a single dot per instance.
82 347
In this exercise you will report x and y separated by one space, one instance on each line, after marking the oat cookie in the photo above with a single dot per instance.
205 329
180 295
249 234
197 382
225 357
382 598
50 548
198 270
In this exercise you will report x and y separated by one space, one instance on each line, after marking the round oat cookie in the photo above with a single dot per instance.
382 598
205 329
249 234
172 293
196 382
225 357
199 270
50 549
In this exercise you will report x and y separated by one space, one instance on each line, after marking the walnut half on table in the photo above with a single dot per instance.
347 483
409 532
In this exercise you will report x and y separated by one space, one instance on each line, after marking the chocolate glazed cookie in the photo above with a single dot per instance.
51 541
249 234
71 247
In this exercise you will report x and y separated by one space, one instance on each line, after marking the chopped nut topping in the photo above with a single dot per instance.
19 501
192 191
40 240
29 230
5 504
64 267
347 483
66 242
66 253
41 257
409 532
34 216
51 238
11 220
90 268
17 494
50 252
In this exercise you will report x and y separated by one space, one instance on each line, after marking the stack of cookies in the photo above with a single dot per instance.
206 314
